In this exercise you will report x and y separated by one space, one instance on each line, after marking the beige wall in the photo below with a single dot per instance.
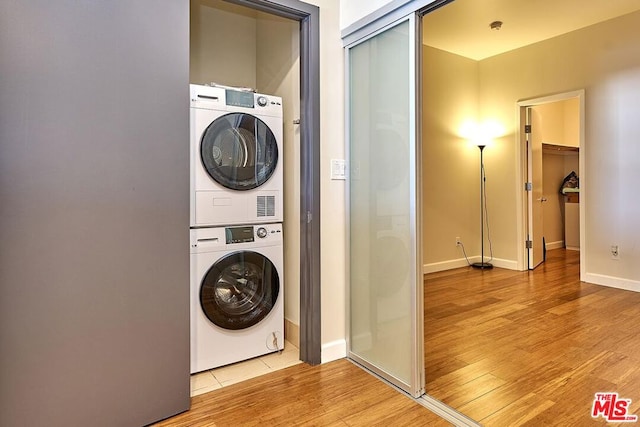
559 125
552 209
217 29
278 73
269 62
571 122
605 60
333 221
551 122
353 10
451 163
560 122
571 164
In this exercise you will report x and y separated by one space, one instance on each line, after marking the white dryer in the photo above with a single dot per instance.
237 309
236 157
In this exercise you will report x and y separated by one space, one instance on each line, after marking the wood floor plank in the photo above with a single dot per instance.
551 342
520 411
334 394
506 348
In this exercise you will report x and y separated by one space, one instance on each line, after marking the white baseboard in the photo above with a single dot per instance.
612 282
504 263
555 245
333 350
444 265
461 262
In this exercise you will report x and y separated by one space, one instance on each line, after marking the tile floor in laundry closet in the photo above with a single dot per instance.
214 379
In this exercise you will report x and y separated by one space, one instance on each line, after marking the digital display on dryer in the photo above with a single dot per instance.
239 99
239 234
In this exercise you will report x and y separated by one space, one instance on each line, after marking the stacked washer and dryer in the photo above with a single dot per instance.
237 301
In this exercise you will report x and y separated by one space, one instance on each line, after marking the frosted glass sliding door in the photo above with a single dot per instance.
385 290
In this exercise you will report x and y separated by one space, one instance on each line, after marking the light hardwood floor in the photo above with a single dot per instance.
511 348
335 394
506 348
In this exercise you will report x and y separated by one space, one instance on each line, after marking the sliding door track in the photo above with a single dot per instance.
442 410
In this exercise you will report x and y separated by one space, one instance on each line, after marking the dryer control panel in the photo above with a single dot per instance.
236 100
240 99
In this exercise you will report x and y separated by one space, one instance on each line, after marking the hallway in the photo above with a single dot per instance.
532 348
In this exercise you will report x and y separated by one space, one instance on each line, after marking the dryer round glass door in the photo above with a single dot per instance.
239 151
239 290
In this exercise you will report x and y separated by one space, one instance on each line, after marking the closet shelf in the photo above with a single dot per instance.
559 148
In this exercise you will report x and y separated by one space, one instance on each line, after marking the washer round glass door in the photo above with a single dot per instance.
239 151
239 290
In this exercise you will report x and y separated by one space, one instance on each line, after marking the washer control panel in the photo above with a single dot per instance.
235 237
238 234
249 233
261 232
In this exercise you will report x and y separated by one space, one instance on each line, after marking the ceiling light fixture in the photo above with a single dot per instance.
495 25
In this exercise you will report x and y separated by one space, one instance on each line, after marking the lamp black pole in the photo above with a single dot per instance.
482 265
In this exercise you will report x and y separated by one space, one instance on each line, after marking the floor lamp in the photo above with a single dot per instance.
482 265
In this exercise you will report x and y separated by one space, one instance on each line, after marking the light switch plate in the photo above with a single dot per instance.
338 169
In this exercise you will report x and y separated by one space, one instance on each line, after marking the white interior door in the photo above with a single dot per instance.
385 292
535 195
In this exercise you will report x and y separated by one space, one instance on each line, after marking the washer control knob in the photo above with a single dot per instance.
262 101
261 232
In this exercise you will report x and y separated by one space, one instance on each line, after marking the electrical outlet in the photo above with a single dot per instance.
615 253
458 241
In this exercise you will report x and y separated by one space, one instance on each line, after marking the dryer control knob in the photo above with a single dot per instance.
261 232
262 101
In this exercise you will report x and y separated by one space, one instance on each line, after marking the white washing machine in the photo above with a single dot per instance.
237 308
236 157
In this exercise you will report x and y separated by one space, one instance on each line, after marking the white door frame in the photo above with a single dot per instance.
521 172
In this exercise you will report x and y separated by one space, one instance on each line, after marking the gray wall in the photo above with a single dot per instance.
94 187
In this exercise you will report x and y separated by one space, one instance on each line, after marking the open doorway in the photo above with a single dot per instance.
463 332
274 51
552 143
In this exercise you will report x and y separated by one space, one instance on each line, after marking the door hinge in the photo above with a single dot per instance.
528 186
529 244
527 128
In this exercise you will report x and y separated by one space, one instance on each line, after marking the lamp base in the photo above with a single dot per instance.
482 265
